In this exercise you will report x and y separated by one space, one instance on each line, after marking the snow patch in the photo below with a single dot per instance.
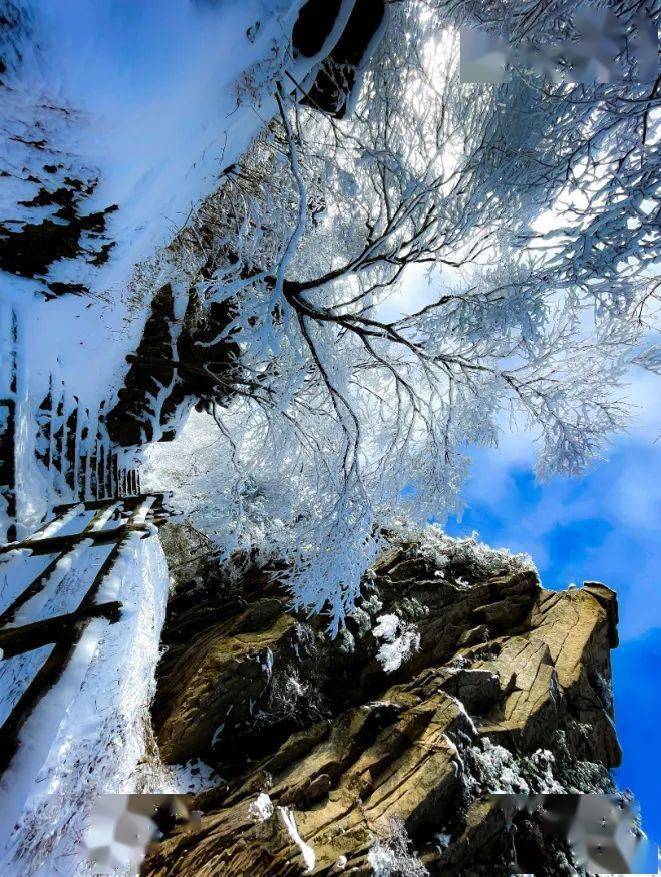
401 639
261 808
307 852
190 778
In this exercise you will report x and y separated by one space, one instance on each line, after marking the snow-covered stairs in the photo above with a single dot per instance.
76 599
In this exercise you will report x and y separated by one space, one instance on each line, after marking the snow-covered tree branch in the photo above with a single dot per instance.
533 206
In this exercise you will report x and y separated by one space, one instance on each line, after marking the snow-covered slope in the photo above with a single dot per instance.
88 733
143 98
116 120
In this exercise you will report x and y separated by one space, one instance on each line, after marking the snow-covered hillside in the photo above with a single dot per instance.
116 120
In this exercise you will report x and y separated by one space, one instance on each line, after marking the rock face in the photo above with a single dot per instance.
177 364
332 87
329 764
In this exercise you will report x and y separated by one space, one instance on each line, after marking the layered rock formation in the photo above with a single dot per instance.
375 752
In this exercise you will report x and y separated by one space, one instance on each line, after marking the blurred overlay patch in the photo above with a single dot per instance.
602 831
595 48
122 828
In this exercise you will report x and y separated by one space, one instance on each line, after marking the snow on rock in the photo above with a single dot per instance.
456 753
468 552
401 639
261 808
289 822
499 771
90 731
392 855
190 778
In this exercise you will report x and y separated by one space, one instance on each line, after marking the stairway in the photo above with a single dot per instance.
90 535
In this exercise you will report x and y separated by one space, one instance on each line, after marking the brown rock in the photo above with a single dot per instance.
357 751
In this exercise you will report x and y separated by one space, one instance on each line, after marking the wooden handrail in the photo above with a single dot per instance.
55 664
16 640
55 544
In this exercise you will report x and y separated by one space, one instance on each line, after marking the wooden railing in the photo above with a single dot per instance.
74 448
130 515
72 453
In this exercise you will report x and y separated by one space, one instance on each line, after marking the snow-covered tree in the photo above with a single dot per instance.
534 206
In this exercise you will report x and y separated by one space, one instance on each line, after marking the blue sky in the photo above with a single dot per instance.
603 526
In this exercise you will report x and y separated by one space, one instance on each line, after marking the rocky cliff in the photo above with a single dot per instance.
375 752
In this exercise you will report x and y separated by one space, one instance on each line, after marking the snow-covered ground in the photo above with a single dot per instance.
90 732
61 592
154 130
